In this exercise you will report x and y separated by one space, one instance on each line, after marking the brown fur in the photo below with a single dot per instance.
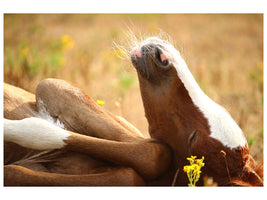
114 144
173 117
104 150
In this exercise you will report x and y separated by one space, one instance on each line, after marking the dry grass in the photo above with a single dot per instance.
224 53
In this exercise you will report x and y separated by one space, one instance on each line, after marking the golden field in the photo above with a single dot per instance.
223 52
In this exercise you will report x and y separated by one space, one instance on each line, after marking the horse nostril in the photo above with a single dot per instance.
161 57
165 62
137 51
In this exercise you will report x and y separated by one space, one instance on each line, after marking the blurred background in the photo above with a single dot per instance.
224 53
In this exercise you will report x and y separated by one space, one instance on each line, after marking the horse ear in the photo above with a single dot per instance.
252 174
193 139
253 171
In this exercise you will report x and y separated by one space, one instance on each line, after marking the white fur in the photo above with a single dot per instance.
34 133
46 116
222 126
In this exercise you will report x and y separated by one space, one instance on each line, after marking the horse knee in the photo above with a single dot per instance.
46 97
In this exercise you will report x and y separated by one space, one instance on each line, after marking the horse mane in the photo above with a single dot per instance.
251 175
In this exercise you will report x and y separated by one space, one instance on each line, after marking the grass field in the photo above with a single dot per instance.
223 52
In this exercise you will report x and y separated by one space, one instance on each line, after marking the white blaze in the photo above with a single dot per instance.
34 133
222 126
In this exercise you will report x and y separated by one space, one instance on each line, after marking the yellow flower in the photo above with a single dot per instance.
100 102
191 159
193 170
198 172
24 52
67 42
186 168
200 162
195 167
121 53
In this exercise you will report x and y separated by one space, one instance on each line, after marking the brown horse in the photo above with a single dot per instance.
64 138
